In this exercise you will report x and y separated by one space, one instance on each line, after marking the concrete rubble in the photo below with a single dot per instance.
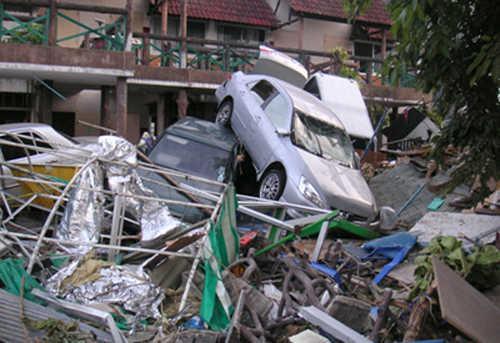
106 253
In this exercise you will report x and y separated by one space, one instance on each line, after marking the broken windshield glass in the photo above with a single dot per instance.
322 139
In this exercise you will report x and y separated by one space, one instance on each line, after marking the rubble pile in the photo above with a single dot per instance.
110 260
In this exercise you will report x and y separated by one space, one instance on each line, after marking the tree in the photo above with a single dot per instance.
454 48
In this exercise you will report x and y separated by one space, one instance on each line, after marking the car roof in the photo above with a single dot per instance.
205 132
21 126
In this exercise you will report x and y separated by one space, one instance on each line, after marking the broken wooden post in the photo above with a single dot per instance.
182 104
381 315
418 315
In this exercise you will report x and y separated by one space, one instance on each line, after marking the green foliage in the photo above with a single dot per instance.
33 33
340 55
353 8
481 267
454 48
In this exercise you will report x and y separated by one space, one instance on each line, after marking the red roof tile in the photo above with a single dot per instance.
376 14
255 12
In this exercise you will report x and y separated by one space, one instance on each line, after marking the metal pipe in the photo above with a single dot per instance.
141 197
197 259
96 245
250 212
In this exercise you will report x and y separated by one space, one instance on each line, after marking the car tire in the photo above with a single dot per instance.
224 113
272 184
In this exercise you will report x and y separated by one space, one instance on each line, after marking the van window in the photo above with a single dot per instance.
277 111
263 91
312 87
14 152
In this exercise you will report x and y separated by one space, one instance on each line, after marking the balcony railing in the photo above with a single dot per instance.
18 27
153 49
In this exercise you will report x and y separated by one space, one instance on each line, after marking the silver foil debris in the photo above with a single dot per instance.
82 220
83 216
127 286
155 218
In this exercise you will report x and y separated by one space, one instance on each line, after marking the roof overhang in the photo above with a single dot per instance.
61 73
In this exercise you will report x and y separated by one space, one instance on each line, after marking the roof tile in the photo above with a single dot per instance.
255 12
376 14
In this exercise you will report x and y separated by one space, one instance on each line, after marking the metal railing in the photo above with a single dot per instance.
18 27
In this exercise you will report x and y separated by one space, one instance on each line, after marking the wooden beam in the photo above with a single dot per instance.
183 31
384 44
164 17
128 27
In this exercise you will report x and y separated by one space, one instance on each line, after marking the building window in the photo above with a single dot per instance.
230 33
196 29
363 50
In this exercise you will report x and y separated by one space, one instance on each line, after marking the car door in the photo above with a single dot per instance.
254 95
276 117
278 113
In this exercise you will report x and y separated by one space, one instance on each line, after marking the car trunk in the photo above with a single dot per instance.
276 64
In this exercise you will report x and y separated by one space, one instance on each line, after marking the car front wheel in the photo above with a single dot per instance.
224 113
272 184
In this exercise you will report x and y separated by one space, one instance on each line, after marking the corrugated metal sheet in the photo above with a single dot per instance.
12 329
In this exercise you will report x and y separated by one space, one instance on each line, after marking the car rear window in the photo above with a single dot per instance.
263 90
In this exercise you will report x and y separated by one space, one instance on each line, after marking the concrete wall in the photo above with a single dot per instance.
87 107
319 35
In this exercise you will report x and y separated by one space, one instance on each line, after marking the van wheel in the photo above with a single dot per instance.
224 113
272 184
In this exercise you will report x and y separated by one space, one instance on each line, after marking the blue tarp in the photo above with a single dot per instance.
394 247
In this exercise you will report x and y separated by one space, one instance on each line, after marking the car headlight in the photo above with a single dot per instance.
309 192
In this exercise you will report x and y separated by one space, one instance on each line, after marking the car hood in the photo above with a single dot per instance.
342 187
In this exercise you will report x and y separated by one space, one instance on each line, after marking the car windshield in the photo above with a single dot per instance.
191 157
322 139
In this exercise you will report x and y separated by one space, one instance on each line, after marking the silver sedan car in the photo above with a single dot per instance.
299 147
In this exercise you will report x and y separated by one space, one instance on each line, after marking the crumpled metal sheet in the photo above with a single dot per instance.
155 218
127 285
82 220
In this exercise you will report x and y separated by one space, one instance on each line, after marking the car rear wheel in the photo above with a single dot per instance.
272 184
224 113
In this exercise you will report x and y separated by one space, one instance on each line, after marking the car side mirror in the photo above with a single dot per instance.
283 133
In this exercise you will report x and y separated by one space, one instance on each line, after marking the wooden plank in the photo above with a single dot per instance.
464 307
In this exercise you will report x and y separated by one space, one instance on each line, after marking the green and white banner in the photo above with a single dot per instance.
221 248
